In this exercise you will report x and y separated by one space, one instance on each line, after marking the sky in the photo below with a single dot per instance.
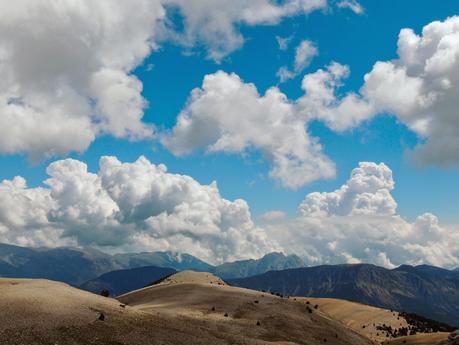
229 129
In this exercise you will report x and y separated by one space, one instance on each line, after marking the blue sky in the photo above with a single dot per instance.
356 40
358 104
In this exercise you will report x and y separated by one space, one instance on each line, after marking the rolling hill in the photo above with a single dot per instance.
424 290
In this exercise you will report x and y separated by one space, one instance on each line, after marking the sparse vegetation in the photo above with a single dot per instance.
105 293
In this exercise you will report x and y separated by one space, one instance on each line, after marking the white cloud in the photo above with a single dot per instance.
65 72
129 206
304 53
228 115
283 42
367 192
320 100
353 5
24 214
271 216
421 88
358 223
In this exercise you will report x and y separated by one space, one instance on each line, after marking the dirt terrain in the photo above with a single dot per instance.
186 309
365 320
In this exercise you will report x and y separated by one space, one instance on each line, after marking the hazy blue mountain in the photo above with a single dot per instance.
176 261
76 266
121 281
246 268
425 290
70 265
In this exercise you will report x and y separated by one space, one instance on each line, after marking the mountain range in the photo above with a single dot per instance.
76 266
424 290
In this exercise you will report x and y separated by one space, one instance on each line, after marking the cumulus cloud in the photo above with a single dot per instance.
358 223
24 214
367 192
320 101
65 70
421 88
228 115
129 206
304 54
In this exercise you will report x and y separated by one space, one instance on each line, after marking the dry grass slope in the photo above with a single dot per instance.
365 319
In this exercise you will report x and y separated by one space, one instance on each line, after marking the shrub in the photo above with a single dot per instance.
105 293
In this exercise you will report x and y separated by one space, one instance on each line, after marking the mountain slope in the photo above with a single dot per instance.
122 281
246 268
423 290
379 324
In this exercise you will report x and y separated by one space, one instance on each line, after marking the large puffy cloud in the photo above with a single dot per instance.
229 115
421 88
24 215
129 206
367 192
65 72
358 223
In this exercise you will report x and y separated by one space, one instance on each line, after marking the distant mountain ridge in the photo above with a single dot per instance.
76 266
121 281
246 268
425 290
